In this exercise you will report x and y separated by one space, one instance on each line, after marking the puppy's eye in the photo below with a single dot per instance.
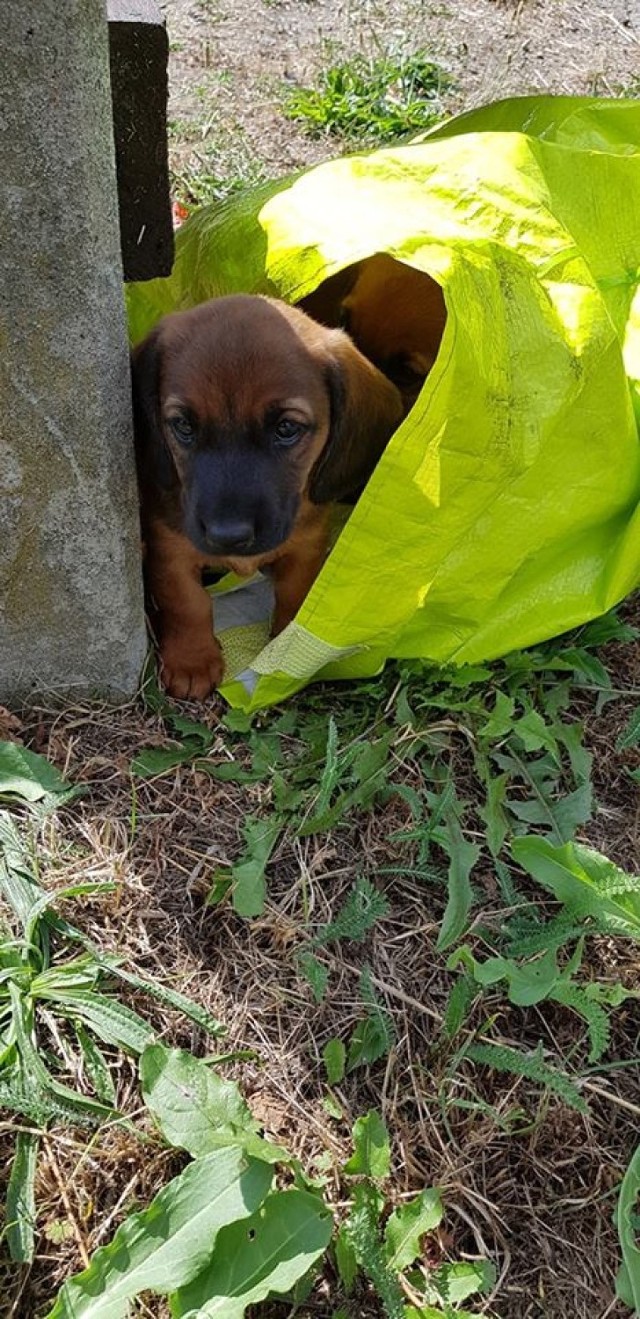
183 430
287 431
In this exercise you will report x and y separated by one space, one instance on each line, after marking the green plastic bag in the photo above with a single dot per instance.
505 509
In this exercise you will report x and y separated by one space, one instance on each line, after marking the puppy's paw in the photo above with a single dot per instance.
191 672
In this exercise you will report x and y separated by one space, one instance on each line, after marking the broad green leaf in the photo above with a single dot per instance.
560 815
500 721
585 881
463 856
535 734
581 760
588 666
249 886
407 1225
21 1201
195 1109
334 1055
371 1149
529 982
453 1283
262 1256
628 1280
166 1245
153 761
493 812
27 775
346 1262
370 1041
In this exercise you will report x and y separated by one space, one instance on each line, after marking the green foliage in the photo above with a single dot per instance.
247 875
315 973
374 1035
364 906
334 1055
385 1253
479 758
162 1248
197 1110
21 1201
41 981
258 1256
502 1058
406 1227
534 981
630 737
372 100
628 1280
25 775
371 1148
364 1234
587 883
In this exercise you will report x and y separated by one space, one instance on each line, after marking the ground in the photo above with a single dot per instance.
528 1181
230 62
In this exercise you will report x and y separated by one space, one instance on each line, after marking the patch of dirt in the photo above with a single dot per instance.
230 60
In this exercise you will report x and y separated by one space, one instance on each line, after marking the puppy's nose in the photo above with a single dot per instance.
229 537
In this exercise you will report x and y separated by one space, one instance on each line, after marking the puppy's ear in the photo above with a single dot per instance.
365 411
154 460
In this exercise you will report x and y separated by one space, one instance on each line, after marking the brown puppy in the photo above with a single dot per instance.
250 419
394 314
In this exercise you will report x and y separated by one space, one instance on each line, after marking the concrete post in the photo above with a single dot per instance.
71 615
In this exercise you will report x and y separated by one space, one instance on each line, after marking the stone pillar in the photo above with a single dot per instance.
71 614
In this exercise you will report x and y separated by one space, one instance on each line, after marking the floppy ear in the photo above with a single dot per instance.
154 460
365 411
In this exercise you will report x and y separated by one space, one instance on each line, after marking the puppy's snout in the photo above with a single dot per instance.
229 537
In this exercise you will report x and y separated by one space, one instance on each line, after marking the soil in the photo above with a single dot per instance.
231 59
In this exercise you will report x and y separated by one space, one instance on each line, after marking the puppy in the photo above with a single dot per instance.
394 314
250 419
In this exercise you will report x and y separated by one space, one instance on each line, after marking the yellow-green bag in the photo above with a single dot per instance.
505 509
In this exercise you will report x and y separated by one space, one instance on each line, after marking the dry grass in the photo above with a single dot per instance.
527 1182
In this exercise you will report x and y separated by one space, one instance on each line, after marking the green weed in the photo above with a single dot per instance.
371 100
57 1008
222 1235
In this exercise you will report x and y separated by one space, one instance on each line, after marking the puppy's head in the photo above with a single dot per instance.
244 406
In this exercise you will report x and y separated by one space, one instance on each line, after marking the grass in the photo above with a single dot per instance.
405 959
371 99
429 990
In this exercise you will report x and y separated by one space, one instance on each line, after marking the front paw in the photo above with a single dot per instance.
190 672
